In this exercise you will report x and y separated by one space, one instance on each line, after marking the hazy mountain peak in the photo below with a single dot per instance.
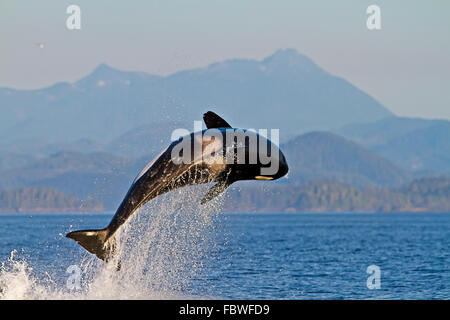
285 53
103 68
281 60
106 72
105 75
289 58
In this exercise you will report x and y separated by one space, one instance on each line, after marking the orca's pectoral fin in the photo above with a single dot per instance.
213 121
215 190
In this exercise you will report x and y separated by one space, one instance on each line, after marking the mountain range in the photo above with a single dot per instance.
418 145
323 155
104 176
286 90
90 138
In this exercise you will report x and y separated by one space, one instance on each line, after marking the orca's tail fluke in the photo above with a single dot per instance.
94 241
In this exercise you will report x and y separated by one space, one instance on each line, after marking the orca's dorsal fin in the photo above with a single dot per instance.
215 190
213 121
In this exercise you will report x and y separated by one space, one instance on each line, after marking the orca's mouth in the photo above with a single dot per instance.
263 178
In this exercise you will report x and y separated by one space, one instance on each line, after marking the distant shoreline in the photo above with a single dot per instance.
424 195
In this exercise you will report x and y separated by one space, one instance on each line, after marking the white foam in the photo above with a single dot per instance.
161 249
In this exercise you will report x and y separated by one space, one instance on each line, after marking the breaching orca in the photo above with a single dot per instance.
223 157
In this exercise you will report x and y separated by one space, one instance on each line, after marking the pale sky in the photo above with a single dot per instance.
405 65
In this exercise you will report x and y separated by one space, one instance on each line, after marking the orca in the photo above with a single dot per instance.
220 154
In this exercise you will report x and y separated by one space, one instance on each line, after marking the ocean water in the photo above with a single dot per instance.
185 253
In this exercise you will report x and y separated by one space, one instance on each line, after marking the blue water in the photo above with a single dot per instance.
265 256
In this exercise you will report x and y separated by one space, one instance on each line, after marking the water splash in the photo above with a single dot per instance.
161 249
